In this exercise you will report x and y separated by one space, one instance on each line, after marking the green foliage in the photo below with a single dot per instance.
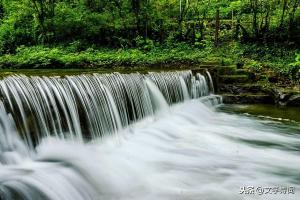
62 57
17 28
297 57
119 23
255 66
294 68
144 43
277 58
199 43
87 33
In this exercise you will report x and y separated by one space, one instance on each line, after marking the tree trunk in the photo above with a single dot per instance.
283 13
254 7
292 18
237 29
136 10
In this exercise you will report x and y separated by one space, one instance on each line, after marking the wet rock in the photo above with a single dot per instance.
239 89
273 79
234 79
247 99
293 100
284 98
226 70
240 65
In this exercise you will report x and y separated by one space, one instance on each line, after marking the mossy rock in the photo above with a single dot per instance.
294 100
243 72
211 63
248 98
241 88
234 79
227 70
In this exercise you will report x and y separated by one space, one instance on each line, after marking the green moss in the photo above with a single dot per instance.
227 70
230 79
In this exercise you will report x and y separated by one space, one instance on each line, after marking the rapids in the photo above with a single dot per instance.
178 147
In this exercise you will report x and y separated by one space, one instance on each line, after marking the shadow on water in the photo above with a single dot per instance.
284 119
264 111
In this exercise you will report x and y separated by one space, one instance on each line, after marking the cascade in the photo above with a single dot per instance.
91 106
58 140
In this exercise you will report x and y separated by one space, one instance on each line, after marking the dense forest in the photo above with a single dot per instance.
72 33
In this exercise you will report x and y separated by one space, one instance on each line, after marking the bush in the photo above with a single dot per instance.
144 43
294 68
17 29
66 57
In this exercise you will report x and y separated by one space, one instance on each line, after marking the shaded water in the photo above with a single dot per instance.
185 148
266 111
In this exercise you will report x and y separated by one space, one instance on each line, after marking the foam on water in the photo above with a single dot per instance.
191 153
188 152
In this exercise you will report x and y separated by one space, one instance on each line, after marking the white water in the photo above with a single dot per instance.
157 99
190 152
90 106
211 83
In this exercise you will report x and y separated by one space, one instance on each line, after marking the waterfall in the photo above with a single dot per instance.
158 101
186 95
211 83
56 133
91 106
12 149
57 140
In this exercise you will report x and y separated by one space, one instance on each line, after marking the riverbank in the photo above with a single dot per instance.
247 86
242 73
68 58
73 56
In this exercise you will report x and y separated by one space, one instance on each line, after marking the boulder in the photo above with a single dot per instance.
294 100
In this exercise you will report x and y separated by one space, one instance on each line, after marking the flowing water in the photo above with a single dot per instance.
138 137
